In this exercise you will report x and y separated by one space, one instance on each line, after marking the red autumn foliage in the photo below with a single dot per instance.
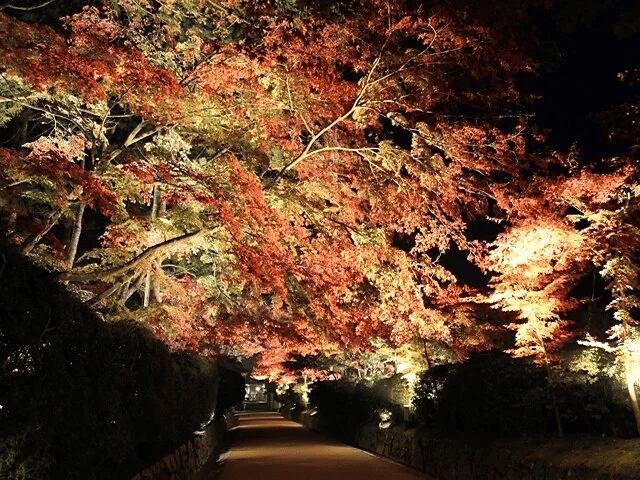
345 172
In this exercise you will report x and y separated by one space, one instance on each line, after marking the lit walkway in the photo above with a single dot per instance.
268 447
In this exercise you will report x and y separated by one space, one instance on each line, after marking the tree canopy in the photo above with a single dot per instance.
308 180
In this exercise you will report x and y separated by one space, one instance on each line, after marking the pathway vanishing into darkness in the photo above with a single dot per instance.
269 447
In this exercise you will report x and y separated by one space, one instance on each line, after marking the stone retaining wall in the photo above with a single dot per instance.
464 457
185 462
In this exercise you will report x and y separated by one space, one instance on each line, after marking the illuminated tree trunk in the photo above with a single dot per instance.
110 291
622 274
631 387
72 249
629 367
131 287
147 290
628 371
155 207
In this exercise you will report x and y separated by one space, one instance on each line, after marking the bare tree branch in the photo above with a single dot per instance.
13 7
309 151
31 242
134 138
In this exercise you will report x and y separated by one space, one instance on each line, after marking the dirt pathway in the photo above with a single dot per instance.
268 447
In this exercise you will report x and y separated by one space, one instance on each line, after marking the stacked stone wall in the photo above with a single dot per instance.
186 461
464 457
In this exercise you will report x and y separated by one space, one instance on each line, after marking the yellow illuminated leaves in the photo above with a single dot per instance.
535 250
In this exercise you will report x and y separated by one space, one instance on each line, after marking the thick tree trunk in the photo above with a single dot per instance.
72 248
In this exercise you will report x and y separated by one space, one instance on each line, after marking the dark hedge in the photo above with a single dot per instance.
500 395
85 399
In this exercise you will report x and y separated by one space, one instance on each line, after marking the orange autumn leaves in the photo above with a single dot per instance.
332 161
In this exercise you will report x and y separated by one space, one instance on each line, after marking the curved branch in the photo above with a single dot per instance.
32 241
308 152
123 269
13 7
134 137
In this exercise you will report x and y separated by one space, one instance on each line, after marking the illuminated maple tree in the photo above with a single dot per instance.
305 179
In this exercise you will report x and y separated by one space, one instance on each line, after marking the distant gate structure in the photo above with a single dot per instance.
258 397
